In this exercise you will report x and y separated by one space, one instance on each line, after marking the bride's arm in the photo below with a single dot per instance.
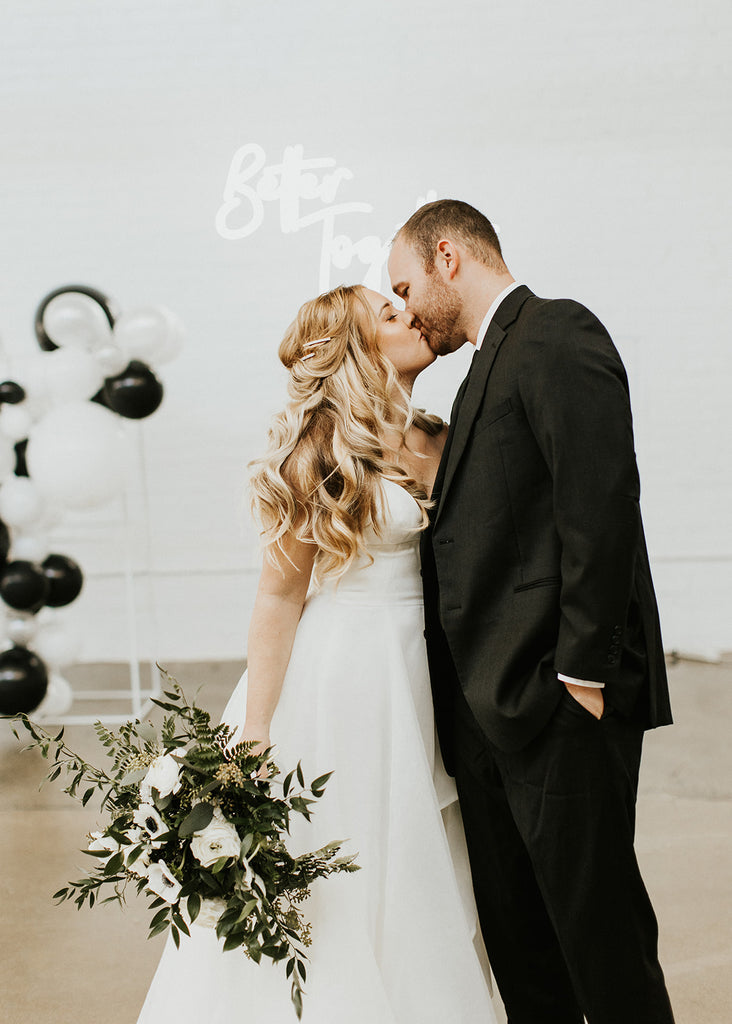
277 609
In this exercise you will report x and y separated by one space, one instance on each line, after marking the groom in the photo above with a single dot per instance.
542 628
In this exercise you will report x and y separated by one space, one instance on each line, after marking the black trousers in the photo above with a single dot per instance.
567 922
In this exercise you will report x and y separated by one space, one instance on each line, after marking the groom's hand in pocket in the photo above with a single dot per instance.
590 697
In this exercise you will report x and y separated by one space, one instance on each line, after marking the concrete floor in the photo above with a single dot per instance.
65 966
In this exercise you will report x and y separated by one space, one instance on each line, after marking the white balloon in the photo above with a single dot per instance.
75 320
15 422
21 501
7 456
33 378
21 629
71 375
57 643
111 359
30 547
78 455
58 700
153 334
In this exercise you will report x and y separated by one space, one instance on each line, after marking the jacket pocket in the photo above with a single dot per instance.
545 581
492 415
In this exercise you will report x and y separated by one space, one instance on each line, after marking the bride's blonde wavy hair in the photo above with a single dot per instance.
320 478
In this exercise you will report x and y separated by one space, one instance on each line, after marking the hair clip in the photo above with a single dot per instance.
312 344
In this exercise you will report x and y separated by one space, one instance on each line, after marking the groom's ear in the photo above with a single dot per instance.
447 259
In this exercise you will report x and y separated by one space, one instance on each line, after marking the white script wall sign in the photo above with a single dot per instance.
251 183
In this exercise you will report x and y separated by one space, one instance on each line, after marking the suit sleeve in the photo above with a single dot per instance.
575 395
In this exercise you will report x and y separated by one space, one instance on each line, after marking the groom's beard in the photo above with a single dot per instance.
440 318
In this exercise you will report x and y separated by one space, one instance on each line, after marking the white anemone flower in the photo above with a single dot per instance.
150 821
161 881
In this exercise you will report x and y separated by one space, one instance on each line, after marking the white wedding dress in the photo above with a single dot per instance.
394 943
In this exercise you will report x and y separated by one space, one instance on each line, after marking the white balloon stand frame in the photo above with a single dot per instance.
139 698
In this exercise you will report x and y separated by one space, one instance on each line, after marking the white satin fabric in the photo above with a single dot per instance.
393 943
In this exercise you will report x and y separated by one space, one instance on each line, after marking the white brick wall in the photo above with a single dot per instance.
595 141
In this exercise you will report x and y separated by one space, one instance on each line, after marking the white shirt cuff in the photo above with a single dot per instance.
580 682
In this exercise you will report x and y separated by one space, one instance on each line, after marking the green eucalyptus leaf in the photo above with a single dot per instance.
194 906
246 910
113 865
158 928
162 915
320 782
133 855
180 923
162 704
197 820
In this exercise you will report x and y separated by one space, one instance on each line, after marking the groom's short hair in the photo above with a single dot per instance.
456 219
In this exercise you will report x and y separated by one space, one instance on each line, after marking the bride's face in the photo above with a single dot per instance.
403 344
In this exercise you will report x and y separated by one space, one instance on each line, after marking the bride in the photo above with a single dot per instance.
337 677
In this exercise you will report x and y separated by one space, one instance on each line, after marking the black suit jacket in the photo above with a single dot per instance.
535 561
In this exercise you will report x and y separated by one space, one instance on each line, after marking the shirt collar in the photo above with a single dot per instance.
483 329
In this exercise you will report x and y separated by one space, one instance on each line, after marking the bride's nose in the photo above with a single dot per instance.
409 318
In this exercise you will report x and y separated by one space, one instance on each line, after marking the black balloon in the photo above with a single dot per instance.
65 580
11 392
134 393
21 467
24 586
99 297
4 542
100 398
23 681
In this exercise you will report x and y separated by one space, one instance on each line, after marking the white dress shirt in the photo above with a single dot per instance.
482 331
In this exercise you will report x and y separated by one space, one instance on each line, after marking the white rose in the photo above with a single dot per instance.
148 818
163 775
210 912
218 839
162 882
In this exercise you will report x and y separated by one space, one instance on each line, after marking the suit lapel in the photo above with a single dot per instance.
465 408
440 477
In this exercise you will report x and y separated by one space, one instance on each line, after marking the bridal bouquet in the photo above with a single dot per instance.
194 822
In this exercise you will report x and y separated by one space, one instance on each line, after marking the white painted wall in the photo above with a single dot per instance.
594 134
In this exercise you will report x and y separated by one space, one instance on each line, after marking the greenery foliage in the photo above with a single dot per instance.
178 797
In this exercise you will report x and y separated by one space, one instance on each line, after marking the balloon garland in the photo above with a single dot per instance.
62 447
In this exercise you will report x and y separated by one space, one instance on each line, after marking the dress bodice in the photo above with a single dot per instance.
388 572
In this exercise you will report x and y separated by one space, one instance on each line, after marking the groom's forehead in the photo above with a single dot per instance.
402 263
